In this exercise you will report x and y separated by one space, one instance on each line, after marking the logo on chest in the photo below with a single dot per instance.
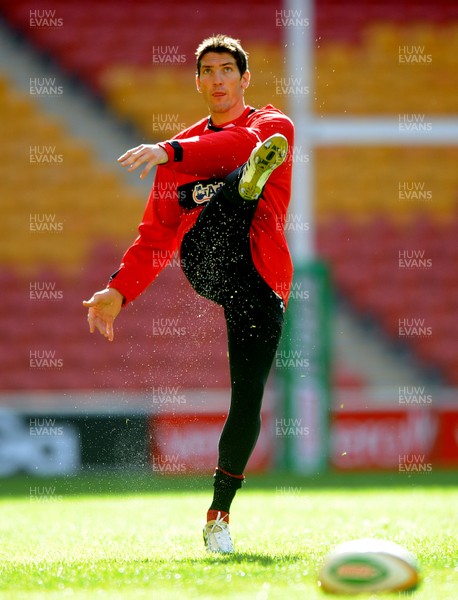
196 193
202 193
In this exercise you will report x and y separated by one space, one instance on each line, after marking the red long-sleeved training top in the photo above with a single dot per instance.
199 159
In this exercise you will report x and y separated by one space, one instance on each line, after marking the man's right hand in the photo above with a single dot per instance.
104 307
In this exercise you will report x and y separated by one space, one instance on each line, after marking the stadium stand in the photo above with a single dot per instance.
49 263
364 222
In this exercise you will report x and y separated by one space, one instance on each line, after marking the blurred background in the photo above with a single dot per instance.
378 153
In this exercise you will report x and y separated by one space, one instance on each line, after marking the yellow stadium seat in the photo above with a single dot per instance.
61 197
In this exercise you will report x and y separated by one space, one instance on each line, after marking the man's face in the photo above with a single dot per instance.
221 85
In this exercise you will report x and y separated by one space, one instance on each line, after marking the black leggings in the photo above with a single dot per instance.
216 259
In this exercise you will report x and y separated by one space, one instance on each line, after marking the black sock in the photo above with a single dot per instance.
225 488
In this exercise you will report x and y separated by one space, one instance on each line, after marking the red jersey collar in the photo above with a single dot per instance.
248 110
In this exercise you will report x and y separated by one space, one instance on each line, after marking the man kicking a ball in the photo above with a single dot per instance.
232 176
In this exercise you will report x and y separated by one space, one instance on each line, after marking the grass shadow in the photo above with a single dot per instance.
261 559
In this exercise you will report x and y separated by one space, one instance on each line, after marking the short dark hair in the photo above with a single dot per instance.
223 43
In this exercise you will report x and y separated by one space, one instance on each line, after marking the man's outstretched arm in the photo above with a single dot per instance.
210 155
142 261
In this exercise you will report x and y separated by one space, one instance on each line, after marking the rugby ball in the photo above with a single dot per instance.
368 565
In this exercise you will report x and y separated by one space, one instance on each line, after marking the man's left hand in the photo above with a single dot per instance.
151 154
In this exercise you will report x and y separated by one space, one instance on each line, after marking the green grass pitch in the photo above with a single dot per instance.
137 536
